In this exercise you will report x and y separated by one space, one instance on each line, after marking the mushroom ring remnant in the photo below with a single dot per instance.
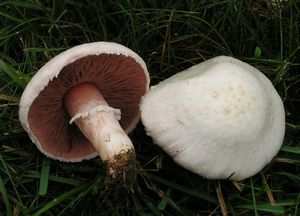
220 119
72 105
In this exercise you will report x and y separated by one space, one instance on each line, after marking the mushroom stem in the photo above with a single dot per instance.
98 122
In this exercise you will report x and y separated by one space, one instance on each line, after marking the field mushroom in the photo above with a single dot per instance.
83 102
221 119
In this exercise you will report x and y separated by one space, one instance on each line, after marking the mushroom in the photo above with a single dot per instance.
221 119
83 103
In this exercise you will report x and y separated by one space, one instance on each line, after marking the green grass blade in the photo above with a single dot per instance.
5 197
10 17
289 149
44 176
62 198
164 202
183 189
257 52
265 208
254 207
57 179
293 177
15 75
10 177
149 203
278 208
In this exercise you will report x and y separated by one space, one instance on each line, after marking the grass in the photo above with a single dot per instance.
170 36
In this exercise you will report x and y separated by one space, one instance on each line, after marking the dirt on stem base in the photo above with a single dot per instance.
121 169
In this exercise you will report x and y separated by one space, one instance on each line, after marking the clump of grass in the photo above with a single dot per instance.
170 36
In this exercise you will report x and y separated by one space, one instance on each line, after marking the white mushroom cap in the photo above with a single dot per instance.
51 72
220 119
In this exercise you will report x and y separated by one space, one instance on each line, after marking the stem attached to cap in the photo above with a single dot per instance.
99 123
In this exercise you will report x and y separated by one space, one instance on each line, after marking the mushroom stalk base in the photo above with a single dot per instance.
121 168
111 143
102 129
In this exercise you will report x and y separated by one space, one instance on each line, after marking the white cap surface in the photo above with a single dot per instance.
220 119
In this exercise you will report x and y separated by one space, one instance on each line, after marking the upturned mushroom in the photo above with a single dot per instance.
221 119
83 102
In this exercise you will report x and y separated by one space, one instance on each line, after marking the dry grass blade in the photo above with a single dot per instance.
221 199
